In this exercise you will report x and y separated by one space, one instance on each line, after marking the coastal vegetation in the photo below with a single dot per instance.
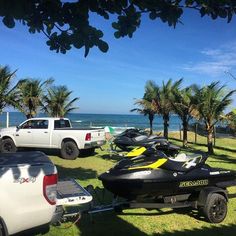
7 90
211 102
231 118
184 105
57 102
67 24
31 96
146 105
206 104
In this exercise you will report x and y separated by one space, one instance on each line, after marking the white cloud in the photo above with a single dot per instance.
216 61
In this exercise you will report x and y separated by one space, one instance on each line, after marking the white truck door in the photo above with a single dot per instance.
24 134
41 134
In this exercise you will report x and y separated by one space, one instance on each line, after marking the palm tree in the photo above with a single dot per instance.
146 105
146 110
162 101
211 102
57 102
231 120
183 103
31 93
7 91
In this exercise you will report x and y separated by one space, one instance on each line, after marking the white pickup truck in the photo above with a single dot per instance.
53 133
31 196
28 183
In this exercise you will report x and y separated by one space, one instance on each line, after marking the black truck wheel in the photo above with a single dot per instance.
69 150
2 231
216 208
7 145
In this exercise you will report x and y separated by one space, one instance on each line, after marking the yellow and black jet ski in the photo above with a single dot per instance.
156 175
168 150
131 138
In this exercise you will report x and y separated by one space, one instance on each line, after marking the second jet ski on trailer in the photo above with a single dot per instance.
135 137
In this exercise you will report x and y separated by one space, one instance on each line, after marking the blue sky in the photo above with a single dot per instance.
200 51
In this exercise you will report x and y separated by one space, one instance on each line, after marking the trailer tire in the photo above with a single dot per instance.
215 209
69 150
7 145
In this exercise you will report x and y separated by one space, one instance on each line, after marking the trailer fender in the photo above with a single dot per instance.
206 193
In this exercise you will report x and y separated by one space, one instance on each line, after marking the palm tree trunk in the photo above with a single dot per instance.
151 117
210 140
166 125
185 131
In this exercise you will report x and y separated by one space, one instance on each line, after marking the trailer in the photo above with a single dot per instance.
212 202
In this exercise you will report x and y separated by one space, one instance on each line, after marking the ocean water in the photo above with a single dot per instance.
101 120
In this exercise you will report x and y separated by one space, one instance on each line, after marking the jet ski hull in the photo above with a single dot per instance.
134 185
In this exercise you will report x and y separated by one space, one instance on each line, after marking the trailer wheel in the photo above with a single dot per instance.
69 150
216 209
7 145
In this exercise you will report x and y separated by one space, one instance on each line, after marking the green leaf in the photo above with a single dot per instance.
189 2
203 11
229 16
78 43
115 25
117 34
86 52
8 21
222 13
153 15
103 46
99 33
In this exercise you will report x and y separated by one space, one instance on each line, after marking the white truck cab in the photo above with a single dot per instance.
52 133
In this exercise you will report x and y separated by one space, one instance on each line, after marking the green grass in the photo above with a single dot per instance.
140 221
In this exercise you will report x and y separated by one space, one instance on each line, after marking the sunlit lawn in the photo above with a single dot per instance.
140 221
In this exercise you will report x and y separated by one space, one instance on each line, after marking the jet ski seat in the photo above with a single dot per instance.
181 157
184 163
140 138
